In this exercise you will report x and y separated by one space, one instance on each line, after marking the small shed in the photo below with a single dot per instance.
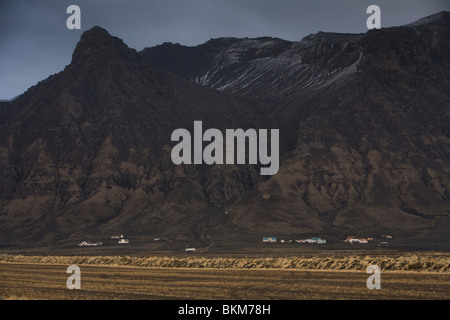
269 239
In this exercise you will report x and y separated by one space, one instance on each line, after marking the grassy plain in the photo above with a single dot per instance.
157 278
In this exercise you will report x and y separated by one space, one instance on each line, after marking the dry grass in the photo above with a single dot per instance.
406 276
45 281
418 262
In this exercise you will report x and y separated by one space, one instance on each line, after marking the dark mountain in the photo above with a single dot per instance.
364 129
89 149
272 68
366 118
266 68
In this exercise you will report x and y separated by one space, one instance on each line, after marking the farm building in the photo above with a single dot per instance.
90 244
349 239
269 240
313 240
355 240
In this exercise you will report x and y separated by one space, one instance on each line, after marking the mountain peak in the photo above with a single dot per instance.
99 37
96 30
97 41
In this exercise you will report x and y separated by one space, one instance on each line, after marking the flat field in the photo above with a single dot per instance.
278 279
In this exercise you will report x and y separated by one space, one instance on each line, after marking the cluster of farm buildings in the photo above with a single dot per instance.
121 239
317 240
383 243
309 240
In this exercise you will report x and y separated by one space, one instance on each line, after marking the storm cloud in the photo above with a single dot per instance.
35 42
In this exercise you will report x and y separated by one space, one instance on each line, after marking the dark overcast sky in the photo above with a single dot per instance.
35 43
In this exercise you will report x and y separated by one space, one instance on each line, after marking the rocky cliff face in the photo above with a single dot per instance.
264 68
364 116
88 150
364 129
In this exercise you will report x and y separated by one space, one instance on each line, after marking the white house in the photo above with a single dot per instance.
90 244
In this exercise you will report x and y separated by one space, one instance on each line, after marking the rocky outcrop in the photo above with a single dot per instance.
88 149
363 125
365 118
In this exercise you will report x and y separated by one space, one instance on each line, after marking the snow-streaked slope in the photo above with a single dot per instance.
266 68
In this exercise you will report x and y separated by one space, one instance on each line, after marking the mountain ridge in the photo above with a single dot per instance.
363 125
